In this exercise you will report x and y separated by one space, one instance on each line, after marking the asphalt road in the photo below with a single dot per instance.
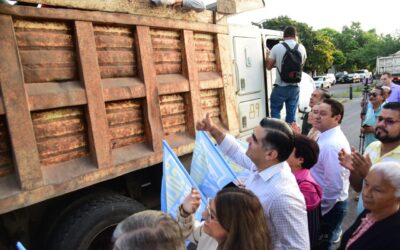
342 88
351 128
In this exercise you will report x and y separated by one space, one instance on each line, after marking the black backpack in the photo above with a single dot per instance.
291 66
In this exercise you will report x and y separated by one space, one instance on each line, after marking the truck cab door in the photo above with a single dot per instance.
249 77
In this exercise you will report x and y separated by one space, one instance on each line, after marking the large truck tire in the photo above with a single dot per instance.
90 225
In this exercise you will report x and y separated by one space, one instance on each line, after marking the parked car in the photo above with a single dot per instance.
351 78
322 82
364 73
331 77
340 76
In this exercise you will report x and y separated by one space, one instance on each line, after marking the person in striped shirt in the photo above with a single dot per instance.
386 148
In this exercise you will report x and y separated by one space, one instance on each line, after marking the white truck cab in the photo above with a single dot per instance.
253 82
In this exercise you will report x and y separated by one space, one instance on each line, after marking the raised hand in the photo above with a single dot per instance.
345 159
295 127
191 202
361 164
206 124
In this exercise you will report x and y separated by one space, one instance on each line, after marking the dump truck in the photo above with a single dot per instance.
87 96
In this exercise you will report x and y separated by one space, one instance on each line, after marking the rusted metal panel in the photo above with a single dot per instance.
101 17
138 62
52 146
99 137
61 134
6 167
123 88
31 38
210 103
153 124
116 51
238 6
51 95
227 95
191 71
173 112
210 80
46 50
167 53
172 83
138 7
25 152
205 52
125 119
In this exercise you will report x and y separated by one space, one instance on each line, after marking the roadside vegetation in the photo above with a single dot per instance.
350 50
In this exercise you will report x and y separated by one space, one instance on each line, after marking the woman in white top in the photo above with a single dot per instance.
233 220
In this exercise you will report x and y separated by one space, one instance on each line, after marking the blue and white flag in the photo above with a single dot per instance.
209 169
176 184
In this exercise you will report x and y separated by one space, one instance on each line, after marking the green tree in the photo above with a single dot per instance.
319 47
350 49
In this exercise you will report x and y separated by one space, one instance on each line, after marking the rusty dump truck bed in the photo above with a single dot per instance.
87 96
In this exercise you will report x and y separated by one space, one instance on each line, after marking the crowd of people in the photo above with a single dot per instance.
297 192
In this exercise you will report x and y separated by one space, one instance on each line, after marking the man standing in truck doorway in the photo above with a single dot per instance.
289 58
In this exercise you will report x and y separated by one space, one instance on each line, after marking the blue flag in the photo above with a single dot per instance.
209 169
241 172
176 184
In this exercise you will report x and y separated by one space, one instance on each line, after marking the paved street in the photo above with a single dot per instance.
351 128
342 88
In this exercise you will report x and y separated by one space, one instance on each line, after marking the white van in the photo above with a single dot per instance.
331 78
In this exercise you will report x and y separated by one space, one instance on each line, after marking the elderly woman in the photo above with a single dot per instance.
148 229
377 227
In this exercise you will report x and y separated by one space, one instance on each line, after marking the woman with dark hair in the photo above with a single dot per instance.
304 156
148 229
235 220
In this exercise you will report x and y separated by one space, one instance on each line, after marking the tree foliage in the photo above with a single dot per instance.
350 49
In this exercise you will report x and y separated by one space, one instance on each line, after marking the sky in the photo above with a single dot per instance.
379 14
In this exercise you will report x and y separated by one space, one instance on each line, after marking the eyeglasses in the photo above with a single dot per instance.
387 121
373 94
210 216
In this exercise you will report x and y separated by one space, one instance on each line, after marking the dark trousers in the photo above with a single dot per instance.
331 222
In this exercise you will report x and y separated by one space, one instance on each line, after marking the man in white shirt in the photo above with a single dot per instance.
330 175
270 179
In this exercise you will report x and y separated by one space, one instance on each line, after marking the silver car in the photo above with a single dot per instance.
322 82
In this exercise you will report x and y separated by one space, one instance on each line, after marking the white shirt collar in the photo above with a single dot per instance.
269 172
329 132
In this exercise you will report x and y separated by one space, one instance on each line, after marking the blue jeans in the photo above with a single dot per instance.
331 222
288 95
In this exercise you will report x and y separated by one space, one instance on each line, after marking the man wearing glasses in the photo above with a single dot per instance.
376 99
386 148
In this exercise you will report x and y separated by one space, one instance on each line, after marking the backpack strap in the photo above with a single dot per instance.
286 46
296 47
